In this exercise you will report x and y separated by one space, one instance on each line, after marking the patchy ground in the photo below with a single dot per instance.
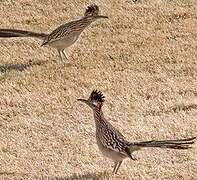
143 58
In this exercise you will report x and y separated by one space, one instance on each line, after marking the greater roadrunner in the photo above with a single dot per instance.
62 37
112 143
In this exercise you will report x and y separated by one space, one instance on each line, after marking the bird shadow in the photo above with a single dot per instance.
92 176
19 66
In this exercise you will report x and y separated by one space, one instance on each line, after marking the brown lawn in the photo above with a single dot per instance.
143 58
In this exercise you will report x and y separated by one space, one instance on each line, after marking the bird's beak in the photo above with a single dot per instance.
105 17
84 101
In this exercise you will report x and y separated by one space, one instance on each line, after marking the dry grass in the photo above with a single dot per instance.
144 59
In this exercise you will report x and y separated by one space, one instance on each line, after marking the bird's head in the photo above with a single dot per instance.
92 11
95 101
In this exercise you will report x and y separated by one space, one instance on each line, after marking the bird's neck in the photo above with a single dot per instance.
98 116
88 19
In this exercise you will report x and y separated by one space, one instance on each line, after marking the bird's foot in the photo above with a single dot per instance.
133 158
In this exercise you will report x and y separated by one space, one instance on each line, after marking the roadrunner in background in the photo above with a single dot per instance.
112 143
62 37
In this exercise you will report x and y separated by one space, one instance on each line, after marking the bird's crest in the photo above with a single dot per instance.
97 96
92 10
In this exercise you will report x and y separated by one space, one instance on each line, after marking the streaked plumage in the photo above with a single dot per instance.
112 143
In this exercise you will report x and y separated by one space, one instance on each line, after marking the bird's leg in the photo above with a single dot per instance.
118 166
60 55
114 170
64 54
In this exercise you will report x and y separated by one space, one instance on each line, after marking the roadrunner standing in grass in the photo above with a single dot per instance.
112 143
62 37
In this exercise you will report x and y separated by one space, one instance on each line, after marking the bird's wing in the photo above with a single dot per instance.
58 33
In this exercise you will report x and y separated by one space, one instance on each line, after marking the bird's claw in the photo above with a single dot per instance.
133 158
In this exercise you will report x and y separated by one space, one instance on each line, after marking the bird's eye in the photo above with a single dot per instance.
94 103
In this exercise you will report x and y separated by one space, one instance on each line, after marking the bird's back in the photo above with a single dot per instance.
69 31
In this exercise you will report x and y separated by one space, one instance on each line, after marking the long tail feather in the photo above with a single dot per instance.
173 144
9 33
